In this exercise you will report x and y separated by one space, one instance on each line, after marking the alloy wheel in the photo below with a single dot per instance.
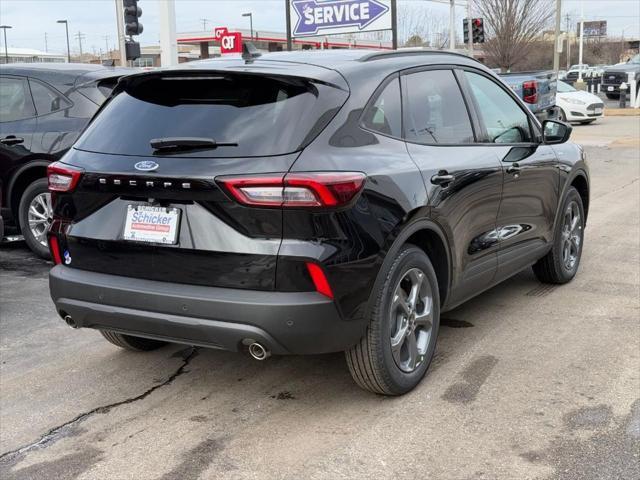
40 214
411 320
571 236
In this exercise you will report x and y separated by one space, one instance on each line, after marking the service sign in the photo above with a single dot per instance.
326 17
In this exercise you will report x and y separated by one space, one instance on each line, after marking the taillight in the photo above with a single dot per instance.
54 248
319 280
530 91
62 178
295 190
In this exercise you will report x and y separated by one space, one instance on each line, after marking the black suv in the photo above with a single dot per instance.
43 109
310 202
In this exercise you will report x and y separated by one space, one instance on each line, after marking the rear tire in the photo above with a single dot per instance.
129 342
561 263
34 217
398 346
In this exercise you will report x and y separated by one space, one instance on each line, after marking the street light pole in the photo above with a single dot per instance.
250 15
556 50
452 25
6 51
66 27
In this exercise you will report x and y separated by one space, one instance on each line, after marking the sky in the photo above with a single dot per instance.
96 19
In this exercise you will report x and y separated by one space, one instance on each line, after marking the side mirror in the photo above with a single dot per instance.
554 132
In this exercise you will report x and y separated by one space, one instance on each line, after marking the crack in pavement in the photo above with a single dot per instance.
56 433
617 189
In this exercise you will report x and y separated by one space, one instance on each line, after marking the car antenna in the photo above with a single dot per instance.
249 52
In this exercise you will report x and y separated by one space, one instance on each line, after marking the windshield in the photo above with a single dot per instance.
635 59
565 88
245 115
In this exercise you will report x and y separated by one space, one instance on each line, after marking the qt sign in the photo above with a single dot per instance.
230 42
320 17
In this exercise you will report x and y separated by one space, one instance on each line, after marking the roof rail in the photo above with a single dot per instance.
407 53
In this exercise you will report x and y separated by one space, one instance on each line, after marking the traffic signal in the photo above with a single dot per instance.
465 30
132 13
478 30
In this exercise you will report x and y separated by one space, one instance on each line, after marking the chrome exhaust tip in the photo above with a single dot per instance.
258 352
70 321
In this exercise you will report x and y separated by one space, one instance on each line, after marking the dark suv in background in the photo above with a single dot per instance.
303 203
43 109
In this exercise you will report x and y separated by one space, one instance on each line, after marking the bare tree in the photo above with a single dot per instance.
513 26
417 24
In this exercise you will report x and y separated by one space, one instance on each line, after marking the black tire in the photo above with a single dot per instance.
371 361
36 188
128 342
555 267
561 115
613 96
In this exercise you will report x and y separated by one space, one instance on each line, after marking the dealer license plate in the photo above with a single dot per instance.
598 111
151 224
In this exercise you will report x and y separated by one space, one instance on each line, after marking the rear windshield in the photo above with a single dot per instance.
261 115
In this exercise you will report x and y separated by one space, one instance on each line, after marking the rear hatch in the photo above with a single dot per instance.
147 204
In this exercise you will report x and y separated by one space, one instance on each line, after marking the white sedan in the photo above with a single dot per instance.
578 105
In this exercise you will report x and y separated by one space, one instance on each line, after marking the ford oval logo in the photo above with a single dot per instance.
146 166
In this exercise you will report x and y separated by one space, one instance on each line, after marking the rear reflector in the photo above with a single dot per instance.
55 250
296 190
320 280
62 178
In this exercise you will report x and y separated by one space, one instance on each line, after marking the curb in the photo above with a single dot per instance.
621 112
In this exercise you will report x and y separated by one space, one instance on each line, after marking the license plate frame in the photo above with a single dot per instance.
598 111
164 231
610 89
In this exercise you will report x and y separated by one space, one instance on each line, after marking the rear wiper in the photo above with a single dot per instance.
187 143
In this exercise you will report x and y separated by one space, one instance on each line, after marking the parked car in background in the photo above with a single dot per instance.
578 105
310 202
43 109
536 89
613 77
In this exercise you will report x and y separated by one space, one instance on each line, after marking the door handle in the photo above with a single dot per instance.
514 169
11 140
442 178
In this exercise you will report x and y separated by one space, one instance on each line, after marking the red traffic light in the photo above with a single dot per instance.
477 22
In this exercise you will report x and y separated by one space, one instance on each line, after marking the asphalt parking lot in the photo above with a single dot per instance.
529 380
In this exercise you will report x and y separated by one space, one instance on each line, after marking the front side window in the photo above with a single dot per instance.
385 115
15 100
503 118
46 99
436 112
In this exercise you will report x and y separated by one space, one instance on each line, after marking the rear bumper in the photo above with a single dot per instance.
223 318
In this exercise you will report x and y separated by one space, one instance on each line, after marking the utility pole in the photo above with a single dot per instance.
452 25
567 24
168 38
80 36
394 24
288 17
204 23
580 82
46 45
6 51
121 37
470 26
558 42
106 44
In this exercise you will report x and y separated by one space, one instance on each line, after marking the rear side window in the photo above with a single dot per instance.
262 115
15 100
503 118
435 109
46 99
385 114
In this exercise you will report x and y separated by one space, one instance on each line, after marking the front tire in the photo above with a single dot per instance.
561 263
129 342
561 115
398 346
34 216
